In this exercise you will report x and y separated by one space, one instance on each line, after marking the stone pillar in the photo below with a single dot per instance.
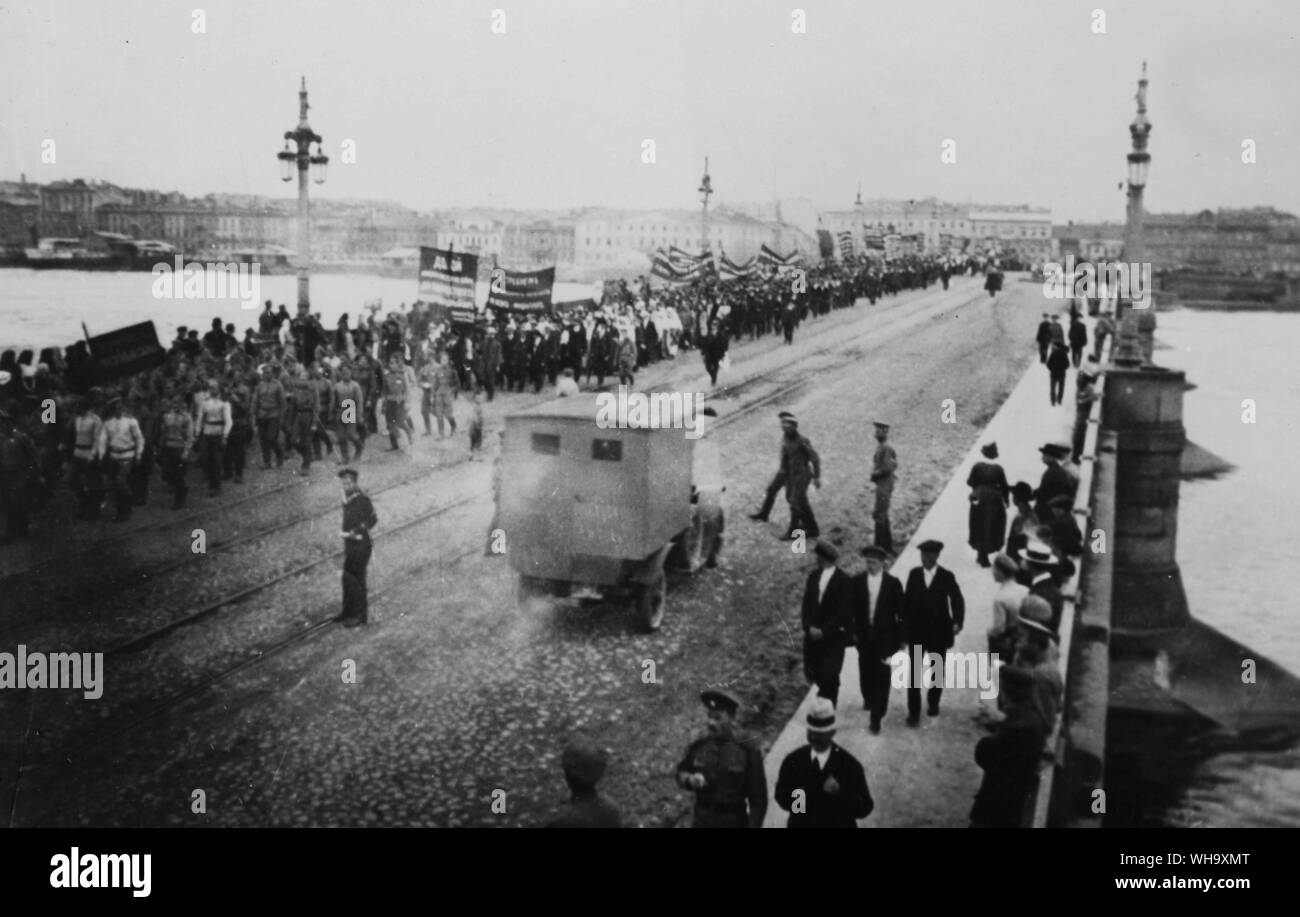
1144 406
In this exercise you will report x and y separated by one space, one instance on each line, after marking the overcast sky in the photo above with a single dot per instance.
552 113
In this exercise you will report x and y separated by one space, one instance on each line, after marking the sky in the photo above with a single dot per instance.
552 110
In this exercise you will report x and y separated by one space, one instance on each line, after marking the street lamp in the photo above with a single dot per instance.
302 137
1135 333
705 189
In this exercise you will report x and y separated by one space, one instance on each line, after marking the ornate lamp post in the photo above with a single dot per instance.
1136 328
303 137
705 189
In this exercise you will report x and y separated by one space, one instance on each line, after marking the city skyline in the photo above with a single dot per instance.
447 114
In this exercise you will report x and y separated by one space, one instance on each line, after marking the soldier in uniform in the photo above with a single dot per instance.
175 433
121 445
212 429
358 520
19 472
301 408
241 432
584 765
395 402
778 481
802 466
268 408
724 769
84 476
349 408
883 466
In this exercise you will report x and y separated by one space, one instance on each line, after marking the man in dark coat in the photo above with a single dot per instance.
827 619
877 630
778 481
802 467
1040 565
820 784
1055 481
1058 362
584 765
724 769
1078 339
358 520
1043 338
933 614
1010 759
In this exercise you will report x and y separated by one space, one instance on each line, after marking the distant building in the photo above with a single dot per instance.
606 237
537 244
20 208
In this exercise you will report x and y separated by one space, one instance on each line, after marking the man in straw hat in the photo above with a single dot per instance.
820 784
724 769
1040 565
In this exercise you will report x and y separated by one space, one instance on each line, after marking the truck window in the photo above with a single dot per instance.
546 443
607 450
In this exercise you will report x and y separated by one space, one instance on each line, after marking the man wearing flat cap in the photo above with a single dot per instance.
827 618
1055 481
358 520
778 481
933 614
584 764
883 466
820 784
877 630
724 769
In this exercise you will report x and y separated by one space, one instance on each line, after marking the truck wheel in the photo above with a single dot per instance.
650 601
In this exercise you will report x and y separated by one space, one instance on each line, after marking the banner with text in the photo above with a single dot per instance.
521 291
126 351
447 280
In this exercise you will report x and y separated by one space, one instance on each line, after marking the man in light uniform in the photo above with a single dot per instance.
121 445
211 428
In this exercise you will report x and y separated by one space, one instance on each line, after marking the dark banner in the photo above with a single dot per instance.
440 314
522 291
447 278
126 351
564 308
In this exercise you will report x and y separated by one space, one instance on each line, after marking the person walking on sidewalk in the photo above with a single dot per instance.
1044 338
990 495
820 784
1058 361
778 481
933 614
884 466
1078 339
827 619
1085 393
358 520
802 467
877 630
724 769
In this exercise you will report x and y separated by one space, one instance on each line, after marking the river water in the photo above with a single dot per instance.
46 308
1235 548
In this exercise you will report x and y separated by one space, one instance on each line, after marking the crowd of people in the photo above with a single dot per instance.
291 385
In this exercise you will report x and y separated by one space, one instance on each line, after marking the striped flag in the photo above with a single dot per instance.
873 241
685 260
846 244
729 270
769 257
662 266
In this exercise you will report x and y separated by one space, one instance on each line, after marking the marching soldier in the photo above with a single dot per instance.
395 402
268 408
212 429
174 434
883 466
241 432
121 445
301 409
83 439
802 466
358 520
724 769
349 408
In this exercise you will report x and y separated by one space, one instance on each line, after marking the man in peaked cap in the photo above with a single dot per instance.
1055 481
827 619
802 466
724 769
359 519
820 784
933 614
778 481
884 465
584 764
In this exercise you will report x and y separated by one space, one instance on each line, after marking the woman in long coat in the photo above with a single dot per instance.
989 497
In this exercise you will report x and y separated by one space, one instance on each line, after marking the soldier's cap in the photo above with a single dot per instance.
930 546
875 551
827 551
718 699
787 417
1035 608
583 762
881 425
1007 564
348 473
1052 450
821 715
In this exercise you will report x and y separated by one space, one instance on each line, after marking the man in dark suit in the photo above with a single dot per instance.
877 630
821 785
1044 337
827 618
1056 481
933 614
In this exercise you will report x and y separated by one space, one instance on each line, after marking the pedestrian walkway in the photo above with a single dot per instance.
927 776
